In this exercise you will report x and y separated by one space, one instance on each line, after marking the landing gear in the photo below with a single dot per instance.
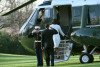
86 58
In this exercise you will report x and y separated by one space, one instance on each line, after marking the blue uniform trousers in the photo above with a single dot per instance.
39 57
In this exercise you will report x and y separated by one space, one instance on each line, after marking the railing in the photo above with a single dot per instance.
63 49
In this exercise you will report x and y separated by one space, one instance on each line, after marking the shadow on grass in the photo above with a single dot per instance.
74 63
64 64
96 61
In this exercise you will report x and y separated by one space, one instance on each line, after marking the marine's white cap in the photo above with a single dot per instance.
37 27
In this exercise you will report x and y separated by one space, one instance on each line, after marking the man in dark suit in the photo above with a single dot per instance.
47 43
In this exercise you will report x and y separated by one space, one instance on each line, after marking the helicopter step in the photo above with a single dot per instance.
65 48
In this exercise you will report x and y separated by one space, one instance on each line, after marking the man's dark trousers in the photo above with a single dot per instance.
48 44
39 57
49 51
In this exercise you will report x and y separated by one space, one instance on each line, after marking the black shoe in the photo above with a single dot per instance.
58 57
52 65
48 65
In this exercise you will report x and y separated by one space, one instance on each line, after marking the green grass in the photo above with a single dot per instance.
11 60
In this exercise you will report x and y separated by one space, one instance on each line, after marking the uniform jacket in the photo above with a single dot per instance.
47 37
37 37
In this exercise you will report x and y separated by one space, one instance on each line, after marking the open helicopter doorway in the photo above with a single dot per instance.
64 16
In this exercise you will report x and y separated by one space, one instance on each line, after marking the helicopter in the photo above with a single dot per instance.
82 16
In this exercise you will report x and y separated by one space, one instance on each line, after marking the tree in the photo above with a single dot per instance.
16 19
13 22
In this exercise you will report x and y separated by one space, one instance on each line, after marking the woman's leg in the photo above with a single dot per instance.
58 57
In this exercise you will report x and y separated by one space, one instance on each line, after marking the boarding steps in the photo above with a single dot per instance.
65 48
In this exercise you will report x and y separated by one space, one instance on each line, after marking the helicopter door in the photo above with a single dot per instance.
64 15
65 18
29 23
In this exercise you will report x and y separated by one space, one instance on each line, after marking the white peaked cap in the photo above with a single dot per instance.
37 27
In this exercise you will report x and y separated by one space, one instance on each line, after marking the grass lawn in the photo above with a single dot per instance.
11 60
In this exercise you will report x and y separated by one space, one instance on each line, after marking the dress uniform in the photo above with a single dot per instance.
37 35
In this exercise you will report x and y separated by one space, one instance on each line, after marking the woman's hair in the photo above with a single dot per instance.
46 25
54 21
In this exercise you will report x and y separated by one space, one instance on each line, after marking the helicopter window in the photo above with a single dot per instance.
47 13
93 17
76 15
44 17
77 12
33 18
93 13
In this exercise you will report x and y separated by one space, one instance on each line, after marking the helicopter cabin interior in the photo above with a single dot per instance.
63 14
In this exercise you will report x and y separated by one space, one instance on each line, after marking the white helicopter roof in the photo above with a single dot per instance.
75 2
70 2
47 0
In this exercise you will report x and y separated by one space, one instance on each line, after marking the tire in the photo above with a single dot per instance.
92 58
86 58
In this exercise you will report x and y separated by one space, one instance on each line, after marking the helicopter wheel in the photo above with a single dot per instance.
92 58
86 58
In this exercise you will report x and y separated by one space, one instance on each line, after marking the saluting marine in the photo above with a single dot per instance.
37 45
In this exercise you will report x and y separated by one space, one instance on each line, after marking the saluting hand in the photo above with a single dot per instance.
50 27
